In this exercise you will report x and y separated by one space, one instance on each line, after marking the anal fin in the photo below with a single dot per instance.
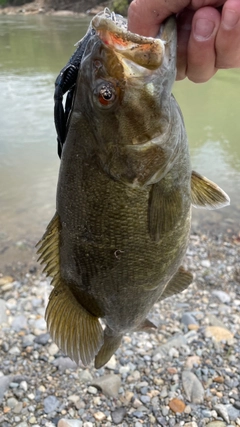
180 281
206 194
110 345
78 333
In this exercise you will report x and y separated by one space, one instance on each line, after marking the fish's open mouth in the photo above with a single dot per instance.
112 29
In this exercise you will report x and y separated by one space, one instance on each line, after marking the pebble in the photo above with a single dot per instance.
206 263
51 403
12 402
53 349
3 314
189 319
42 339
222 411
222 296
85 376
64 363
99 416
5 380
118 415
69 423
109 384
192 387
19 322
219 334
177 405
216 424
112 363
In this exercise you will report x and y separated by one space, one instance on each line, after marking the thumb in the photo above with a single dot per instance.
145 16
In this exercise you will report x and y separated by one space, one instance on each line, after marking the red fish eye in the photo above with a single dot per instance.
106 94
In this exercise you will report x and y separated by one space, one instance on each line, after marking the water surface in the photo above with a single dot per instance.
33 50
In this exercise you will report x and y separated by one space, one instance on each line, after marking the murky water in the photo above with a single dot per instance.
33 50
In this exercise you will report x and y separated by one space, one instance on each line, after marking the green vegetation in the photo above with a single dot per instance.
120 6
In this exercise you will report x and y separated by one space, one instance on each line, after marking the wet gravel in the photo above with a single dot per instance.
187 373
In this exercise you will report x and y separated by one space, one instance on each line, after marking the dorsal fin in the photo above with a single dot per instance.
206 194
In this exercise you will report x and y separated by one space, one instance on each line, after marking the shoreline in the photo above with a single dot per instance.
36 8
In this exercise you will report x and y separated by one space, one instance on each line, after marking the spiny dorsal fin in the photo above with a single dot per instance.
78 333
164 210
180 281
206 194
110 345
74 329
49 247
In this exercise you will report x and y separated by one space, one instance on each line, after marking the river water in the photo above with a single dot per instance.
33 50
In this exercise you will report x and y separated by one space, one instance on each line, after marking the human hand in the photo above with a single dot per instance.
208 38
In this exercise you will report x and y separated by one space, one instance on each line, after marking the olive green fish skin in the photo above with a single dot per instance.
106 250
125 190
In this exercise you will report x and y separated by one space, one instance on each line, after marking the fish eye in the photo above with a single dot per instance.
105 94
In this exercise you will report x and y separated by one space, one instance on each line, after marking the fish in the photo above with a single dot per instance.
116 243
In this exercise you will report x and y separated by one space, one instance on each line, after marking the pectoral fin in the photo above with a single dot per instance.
146 325
164 210
77 332
180 281
206 194
110 345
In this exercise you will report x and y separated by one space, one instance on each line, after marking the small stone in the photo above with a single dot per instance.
18 408
85 376
222 411
42 339
108 384
92 390
5 380
51 403
218 380
118 415
3 314
64 363
206 263
176 342
112 363
12 402
191 424
219 334
5 280
191 361
32 420
99 416
53 349
216 424
233 412
19 322
69 423
188 319
23 385
222 296
177 405
28 340
40 324
14 350
73 398
192 387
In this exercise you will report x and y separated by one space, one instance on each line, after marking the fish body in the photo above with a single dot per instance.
125 191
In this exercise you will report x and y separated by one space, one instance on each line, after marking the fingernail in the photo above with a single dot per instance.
203 29
230 19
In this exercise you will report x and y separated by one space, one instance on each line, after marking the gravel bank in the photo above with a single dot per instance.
187 373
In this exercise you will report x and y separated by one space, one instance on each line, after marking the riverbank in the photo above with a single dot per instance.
187 373
39 7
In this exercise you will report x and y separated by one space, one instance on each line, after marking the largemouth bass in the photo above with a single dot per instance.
125 192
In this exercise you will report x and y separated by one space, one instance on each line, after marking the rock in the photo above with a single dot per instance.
222 411
42 339
53 349
99 416
40 324
92 390
19 322
108 384
216 424
4 384
222 296
112 363
188 319
233 412
176 342
73 398
51 403
191 361
219 334
191 424
118 415
12 402
64 363
206 263
69 423
192 387
3 314
214 320
28 340
177 405
5 280
85 376
18 408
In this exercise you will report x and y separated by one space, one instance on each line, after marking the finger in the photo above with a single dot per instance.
145 17
228 37
201 47
184 24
